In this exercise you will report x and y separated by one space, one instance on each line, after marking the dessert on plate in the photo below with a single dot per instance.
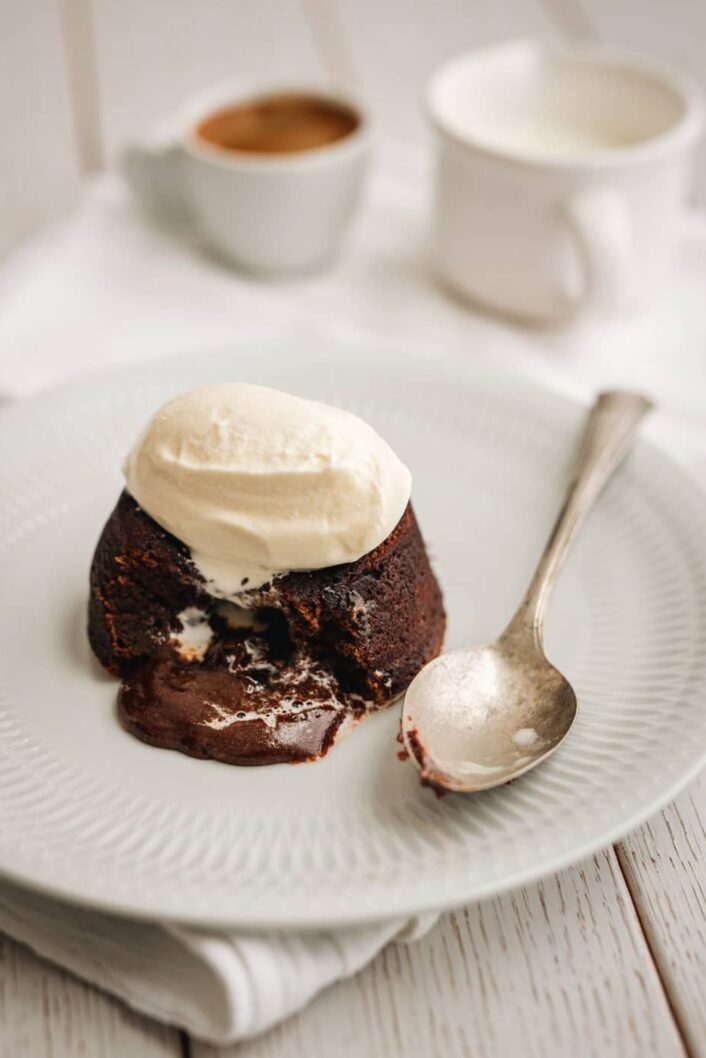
262 582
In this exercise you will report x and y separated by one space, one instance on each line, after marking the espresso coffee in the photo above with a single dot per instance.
278 124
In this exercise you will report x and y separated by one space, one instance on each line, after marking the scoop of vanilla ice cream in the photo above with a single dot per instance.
257 482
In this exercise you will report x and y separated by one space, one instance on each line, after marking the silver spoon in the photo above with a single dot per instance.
478 717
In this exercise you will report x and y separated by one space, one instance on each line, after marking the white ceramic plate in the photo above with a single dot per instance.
90 814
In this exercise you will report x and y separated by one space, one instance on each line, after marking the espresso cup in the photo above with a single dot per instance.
561 175
268 213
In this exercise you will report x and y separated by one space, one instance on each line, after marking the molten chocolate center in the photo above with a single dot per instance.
252 698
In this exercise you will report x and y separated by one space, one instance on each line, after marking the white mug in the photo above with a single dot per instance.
561 174
266 213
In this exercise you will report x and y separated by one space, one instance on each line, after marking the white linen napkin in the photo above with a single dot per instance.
104 287
220 987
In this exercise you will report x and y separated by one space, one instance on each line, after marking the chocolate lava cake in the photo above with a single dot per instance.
274 678
262 582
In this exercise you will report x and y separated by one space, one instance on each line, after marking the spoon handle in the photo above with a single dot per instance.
612 424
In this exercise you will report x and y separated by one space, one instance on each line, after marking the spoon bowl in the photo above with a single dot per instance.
478 717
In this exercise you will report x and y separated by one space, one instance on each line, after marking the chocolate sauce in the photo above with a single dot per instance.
252 699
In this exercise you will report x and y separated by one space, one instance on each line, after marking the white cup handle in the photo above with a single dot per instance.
600 223
153 171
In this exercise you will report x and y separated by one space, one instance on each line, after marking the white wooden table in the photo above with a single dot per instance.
607 958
